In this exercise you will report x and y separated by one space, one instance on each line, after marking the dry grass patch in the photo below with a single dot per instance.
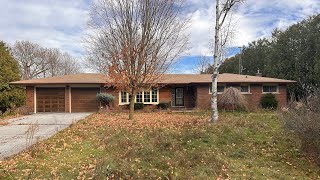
165 146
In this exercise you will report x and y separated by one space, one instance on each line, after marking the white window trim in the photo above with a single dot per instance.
120 98
249 89
135 98
277 92
224 85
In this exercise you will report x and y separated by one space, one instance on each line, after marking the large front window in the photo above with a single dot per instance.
146 97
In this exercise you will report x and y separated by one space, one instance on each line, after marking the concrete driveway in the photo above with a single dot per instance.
25 131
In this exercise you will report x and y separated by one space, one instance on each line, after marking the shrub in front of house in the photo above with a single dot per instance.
105 99
163 105
138 106
269 101
232 100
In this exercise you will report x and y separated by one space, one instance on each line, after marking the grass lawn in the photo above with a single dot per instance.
167 146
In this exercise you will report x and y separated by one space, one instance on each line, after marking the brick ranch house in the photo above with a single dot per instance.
77 93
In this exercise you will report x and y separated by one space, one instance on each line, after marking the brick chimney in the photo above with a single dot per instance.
259 73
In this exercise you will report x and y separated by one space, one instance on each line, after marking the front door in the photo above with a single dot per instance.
179 97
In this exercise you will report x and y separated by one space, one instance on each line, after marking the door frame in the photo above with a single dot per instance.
175 97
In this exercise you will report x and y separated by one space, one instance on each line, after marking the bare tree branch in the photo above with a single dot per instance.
138 39
37 62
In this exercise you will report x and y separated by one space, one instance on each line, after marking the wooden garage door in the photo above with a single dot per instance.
84 99
50 100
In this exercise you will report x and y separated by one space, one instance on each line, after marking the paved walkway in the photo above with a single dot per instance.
25 131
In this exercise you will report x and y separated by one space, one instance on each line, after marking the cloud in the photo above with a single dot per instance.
257 19
51 23
252 20
62 23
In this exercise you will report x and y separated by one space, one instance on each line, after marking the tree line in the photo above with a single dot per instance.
293 54
36 61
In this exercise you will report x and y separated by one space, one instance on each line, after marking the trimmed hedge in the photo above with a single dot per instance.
269 101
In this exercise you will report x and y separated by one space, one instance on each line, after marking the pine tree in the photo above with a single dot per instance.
9 71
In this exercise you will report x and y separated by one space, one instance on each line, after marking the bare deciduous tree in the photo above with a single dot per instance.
138 39
68 65
37 62
223 9
30 59
51 57
96 62
203 65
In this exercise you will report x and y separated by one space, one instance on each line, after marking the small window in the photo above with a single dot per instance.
139 97
147 96
244 89
220 89
270 89
124 97
154 95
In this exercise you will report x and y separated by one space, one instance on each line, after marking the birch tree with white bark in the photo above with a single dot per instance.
222 35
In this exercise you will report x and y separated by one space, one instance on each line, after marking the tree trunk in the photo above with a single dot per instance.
131 106
214 102
214 99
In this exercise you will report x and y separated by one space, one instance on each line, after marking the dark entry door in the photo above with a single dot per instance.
179 97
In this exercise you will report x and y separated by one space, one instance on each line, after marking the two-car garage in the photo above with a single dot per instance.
66 99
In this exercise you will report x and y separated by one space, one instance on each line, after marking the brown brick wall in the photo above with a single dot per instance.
282 97
165 95
204 98
256 94
30 98
67 99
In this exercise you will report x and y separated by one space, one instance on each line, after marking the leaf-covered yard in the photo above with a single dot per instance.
168 146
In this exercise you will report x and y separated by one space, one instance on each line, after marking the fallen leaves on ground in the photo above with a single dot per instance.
149 120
